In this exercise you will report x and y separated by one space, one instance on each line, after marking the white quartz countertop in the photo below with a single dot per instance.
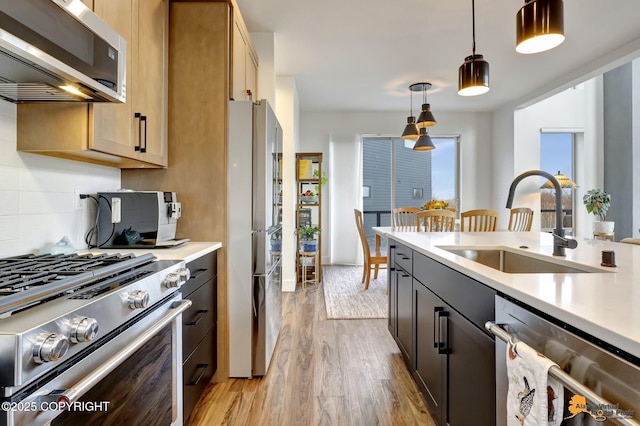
605 303
188 251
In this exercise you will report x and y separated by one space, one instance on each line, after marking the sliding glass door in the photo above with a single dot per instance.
394 175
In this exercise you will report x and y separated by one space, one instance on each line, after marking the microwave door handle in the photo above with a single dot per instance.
72 394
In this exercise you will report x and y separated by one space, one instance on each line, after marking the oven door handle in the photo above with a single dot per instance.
72 394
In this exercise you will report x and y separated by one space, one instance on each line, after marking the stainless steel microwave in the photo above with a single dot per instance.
59 50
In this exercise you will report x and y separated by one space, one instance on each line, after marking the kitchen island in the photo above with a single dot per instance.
604 303
444 288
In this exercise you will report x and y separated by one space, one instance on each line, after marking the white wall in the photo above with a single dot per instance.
287 112
569 110
320 128
264 43
37 205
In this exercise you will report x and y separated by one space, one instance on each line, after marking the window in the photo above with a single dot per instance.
556 156
398 176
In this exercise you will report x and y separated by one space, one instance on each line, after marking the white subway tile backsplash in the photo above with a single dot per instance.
9 178
37 203
8 154
9 203
9 228
45 202
10 248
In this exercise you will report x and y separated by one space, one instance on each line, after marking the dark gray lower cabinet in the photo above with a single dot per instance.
199 332
430 365
404 321
472 373
454 363
439 318
393 293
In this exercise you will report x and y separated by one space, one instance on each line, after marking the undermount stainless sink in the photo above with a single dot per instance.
517 263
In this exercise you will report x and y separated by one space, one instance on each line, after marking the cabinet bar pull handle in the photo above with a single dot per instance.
138 116
202 368
144 148
197 273
444 347
436 325
198 317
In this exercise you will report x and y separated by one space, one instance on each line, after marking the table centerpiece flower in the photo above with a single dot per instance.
435 205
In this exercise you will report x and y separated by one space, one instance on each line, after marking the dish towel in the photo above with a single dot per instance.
533 398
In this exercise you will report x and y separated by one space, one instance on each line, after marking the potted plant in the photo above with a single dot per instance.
276 241
323 179
598 203
308 240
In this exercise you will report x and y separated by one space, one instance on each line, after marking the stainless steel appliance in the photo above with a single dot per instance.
606 379
59 50
254 279
90 339
141 219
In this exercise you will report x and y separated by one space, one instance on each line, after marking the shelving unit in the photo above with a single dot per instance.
309 211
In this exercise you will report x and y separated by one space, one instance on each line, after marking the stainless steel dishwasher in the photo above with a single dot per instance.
609 381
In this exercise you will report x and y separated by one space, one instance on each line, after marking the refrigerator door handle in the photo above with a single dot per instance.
253 299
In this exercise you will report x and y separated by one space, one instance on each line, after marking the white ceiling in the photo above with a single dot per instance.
362 55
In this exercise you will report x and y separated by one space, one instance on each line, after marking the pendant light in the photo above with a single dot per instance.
426 117
473 74
424 142
539 26
411 129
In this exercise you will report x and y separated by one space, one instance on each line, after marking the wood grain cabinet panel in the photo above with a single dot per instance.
126 135
200 75
244 64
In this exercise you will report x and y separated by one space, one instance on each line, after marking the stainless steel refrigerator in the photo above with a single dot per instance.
254 285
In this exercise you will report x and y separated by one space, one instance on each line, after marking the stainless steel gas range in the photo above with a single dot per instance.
89 339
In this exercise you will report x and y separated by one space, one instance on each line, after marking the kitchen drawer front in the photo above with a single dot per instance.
202 269
200 317
197 371
402 256
464 294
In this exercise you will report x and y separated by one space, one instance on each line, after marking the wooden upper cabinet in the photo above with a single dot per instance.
128 135
244 63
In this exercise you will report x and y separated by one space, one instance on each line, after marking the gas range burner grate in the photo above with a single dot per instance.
28 280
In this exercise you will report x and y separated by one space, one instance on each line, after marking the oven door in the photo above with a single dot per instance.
133 378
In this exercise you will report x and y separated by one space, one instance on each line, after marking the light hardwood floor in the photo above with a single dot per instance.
324 372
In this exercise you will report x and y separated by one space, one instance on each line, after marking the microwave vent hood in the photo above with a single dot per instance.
59 51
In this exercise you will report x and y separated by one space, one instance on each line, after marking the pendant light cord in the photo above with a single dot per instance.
473 25
411 100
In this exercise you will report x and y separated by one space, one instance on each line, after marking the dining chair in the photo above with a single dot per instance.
520 219
404 218
480 220
374 261
436 221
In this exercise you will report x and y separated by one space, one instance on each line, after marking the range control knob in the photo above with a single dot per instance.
172 280
138 299
50 347
83 330
184 274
